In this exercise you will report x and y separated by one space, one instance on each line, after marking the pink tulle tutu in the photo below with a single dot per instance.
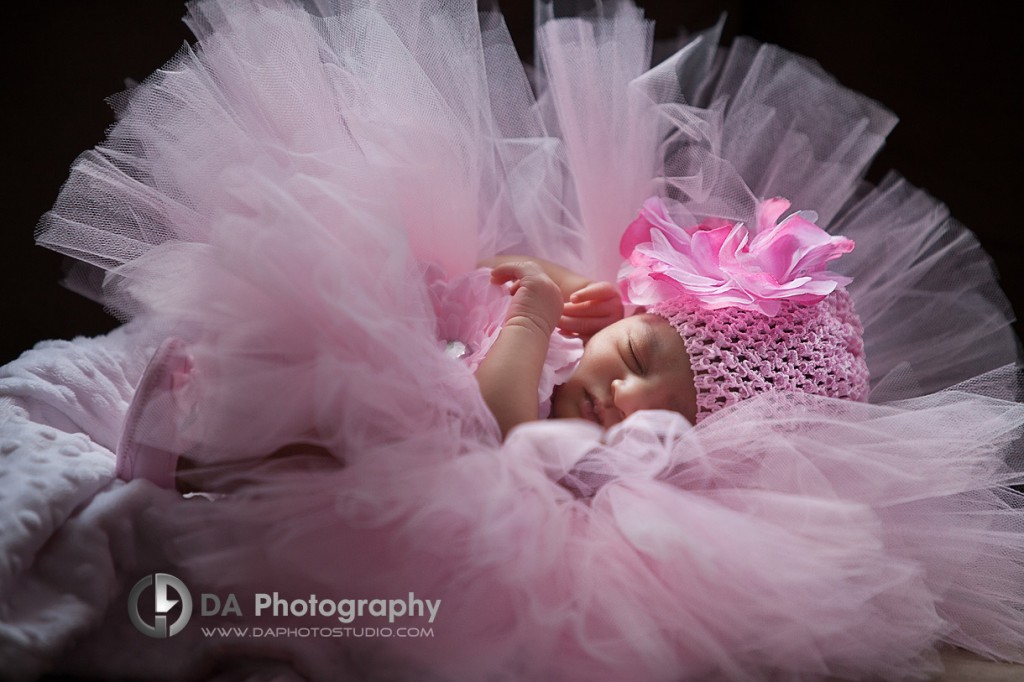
284 196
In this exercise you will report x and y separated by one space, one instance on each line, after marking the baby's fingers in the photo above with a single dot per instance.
599 313
582 326
515 272
595 291
507 272
607 308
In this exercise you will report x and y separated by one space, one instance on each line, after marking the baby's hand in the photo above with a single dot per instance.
591 308
536 299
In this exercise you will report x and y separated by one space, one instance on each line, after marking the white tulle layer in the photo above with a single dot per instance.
275 192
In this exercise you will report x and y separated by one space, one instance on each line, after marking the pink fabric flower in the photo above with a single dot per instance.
470 311
719 263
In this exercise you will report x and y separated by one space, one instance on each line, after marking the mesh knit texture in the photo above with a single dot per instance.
736 354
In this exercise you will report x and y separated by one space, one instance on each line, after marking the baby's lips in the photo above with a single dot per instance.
601 412
587 410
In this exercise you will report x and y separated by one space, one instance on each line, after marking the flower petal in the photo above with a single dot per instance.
769 211
720 264
653 215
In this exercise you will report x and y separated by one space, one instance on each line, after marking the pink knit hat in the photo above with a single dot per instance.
756 314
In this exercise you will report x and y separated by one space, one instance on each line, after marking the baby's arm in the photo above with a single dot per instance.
510 374
589 306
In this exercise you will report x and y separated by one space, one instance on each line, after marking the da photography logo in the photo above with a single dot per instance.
163 585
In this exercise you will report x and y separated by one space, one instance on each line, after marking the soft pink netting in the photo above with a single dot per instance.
274 195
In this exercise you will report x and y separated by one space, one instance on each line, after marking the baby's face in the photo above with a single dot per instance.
638 363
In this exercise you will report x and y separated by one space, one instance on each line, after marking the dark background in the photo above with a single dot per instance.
951 71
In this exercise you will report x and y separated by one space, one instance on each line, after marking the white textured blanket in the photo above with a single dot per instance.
67 528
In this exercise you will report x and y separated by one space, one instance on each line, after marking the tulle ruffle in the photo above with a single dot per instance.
793 536
274 195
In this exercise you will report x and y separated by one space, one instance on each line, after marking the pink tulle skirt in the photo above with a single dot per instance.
275 195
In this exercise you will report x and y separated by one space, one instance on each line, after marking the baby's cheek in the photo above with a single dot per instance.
685 403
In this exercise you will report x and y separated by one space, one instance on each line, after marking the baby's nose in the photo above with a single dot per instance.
624 397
